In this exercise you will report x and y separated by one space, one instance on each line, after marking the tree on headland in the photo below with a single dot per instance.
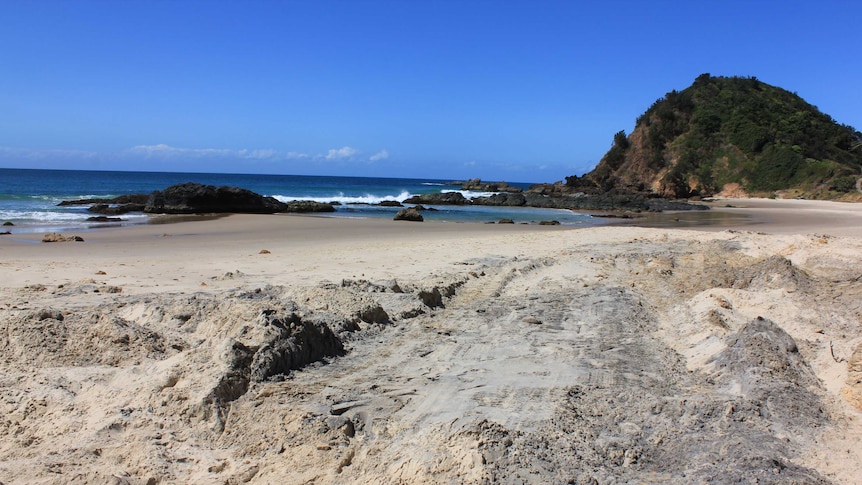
724 130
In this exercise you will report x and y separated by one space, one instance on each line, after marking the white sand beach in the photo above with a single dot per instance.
292 349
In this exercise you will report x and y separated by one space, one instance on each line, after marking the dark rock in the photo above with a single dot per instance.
122 199
506 221
305 206
563 196
613 216
444 198
389 203
99 208
480 186
549 223
421 207
104 219
108 209
192 198
8 223
409 214
502 199
544 201
560 196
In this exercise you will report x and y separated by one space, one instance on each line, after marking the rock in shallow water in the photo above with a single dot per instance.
409 214
192 198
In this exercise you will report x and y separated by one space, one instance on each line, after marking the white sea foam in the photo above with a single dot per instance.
345 199
471 194
42 216
55 199
56 217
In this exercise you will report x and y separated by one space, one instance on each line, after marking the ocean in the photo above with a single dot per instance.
29 198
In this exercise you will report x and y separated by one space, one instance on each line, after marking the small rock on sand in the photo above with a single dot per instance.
57 237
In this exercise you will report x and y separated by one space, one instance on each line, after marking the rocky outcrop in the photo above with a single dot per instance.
389 203
120 200
409 214
609 201
442 198
104 219
558 196
114 210
480 186
192 198
305 206
502 199
122 204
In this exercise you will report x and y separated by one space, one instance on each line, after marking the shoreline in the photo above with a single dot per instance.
774 216
225 242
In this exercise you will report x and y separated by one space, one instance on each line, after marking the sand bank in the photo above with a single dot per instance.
289 349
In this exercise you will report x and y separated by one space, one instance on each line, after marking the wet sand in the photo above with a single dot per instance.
771 216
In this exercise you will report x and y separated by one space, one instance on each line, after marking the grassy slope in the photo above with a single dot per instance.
724 130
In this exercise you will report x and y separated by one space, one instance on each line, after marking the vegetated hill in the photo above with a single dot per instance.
731 130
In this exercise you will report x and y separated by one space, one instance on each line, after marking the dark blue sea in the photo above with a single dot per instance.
29 198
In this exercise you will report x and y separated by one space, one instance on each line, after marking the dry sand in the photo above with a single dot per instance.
286 349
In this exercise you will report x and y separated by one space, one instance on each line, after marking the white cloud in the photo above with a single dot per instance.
381 155
162 150
35 154
296 156
259 154
341 153
165 152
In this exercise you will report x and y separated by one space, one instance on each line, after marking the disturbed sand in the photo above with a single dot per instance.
285 349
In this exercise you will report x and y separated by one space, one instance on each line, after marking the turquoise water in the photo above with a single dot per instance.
29 198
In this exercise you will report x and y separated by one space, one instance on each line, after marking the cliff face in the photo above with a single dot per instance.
730 130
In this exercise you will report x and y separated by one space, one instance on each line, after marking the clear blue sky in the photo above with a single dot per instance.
526 91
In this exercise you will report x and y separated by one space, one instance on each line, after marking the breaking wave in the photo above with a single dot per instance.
369 199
